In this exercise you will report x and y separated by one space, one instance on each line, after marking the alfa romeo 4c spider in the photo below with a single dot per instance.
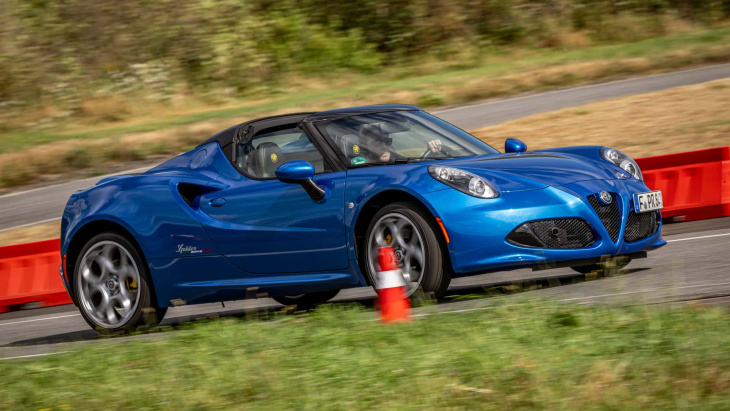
296 207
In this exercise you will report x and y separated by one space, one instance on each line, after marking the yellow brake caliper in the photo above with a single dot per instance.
131 285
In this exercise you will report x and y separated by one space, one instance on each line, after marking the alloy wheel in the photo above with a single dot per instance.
398 231
107 284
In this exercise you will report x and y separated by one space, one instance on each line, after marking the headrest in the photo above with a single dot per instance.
267 158
350 145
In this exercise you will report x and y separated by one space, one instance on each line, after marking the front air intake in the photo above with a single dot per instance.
565 233
641 226
610 215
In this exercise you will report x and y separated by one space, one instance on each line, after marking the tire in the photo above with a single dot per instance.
611 264
107 297
306 300
407 225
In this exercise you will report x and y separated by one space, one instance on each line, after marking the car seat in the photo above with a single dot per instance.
267 157
350 146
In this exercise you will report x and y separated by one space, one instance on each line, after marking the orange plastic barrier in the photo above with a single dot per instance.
695 185
29 274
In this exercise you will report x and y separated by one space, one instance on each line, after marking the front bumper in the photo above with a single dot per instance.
478 228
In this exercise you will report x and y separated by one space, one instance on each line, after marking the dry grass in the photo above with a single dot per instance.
670 121
29 234
679 119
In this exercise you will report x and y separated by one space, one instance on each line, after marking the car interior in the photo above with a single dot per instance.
262 154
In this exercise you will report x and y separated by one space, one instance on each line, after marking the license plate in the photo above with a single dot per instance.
651 201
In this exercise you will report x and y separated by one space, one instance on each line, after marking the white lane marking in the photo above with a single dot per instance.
40 319
650 290
50 220
91 180
32 355
697 238
588 86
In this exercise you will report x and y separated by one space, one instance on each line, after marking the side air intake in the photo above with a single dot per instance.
191 192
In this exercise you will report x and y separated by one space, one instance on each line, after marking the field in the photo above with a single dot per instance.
35 154
533 355
671 121
679 119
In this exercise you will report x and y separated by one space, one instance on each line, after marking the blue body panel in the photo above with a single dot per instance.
240 237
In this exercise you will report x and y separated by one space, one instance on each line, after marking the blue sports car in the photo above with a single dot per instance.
296 206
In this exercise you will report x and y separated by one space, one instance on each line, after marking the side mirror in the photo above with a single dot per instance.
513 145
301 172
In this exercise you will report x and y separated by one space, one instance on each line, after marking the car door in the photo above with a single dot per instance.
265 226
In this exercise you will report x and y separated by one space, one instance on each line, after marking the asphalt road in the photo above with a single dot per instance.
691 267
46 204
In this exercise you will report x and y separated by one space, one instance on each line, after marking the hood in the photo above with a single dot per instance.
530 171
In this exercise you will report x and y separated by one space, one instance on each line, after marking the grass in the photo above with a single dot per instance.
30 154
675 120
537 355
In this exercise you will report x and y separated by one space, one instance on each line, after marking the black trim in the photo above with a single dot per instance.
251 129
227 137
548 265
584 261
324 145
315 191
358 111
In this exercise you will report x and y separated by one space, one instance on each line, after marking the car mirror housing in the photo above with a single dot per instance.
301 172
513 145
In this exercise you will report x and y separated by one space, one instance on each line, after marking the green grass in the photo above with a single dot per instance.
380 88
534 355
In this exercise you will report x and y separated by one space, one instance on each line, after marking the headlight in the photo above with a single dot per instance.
621 160
463 181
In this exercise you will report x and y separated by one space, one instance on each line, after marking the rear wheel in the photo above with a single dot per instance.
306 300
112 285
411 232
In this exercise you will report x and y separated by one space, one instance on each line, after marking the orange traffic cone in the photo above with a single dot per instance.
394 305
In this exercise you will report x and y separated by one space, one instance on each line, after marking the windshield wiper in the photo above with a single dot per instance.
417 159
406 160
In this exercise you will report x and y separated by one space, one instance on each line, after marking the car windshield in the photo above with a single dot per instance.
399 136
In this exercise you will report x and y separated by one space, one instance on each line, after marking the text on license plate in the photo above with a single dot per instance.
650 201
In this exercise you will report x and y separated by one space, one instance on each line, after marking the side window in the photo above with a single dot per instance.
259 156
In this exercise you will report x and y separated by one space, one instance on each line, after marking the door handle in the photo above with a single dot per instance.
217 202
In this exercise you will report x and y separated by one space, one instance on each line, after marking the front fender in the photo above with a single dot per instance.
365 184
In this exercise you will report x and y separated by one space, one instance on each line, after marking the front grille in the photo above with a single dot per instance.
641 226
554 233
610 215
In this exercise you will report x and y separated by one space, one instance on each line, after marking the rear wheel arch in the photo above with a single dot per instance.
380 200
89 231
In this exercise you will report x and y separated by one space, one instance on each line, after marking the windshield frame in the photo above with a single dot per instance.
320 127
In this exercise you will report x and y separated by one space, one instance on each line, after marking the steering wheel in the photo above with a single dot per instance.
428 153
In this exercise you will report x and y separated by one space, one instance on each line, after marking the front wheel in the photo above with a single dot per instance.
411 233
112 285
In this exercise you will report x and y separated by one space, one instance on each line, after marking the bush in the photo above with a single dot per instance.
77 158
